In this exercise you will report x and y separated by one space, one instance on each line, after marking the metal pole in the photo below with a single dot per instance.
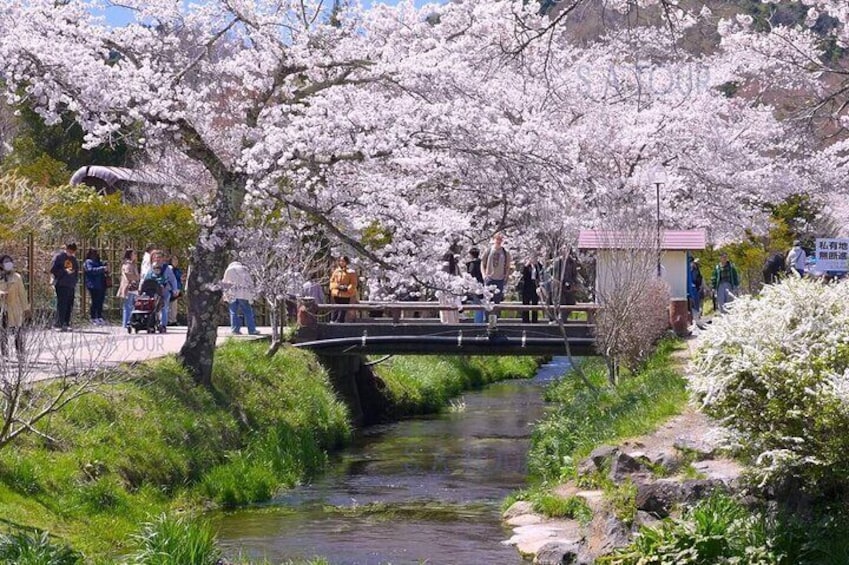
657 187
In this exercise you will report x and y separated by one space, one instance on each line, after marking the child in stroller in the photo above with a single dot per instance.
146 309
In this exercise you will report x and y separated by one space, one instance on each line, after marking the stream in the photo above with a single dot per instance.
426 490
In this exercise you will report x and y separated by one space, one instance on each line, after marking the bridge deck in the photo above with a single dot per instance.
397 334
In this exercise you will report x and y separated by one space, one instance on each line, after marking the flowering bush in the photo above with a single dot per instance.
776 370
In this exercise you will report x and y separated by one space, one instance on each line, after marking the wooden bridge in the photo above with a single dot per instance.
414 328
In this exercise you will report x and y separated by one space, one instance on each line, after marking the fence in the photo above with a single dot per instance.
33 258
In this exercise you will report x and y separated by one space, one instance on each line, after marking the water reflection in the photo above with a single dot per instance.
424 490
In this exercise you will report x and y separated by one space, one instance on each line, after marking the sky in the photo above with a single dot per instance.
118 16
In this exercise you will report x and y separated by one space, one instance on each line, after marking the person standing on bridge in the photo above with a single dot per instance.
65 270
473 267
239 291
529 287
495 264
13 306
343 287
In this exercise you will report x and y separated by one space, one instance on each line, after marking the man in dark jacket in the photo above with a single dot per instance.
65 271
773 267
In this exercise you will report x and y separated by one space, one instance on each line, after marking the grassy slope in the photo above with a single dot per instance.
584 419
158 443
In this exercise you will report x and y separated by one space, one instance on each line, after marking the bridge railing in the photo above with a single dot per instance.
398 311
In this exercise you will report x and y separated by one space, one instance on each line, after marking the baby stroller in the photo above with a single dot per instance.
145 315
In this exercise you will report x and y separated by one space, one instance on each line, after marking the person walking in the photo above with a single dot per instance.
495 265
128 290
13 306
694 290
529 287
178 276
796 259
473 267
65 270
239 292
96 272
446 298
164 274
773 267
343 287
725 281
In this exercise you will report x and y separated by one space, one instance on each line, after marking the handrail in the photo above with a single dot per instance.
436 307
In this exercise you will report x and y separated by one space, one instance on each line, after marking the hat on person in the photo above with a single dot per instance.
696 260
796 243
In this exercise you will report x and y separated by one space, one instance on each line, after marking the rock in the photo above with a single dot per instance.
596 460
701 449
643 518
624 465
557 553
525 520
658 497
518 508
593 498
606 533
668 459
693 490
529 539
724 470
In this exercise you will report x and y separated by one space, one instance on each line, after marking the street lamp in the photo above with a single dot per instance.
658 177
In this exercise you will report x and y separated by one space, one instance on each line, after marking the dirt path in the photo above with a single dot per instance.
685 450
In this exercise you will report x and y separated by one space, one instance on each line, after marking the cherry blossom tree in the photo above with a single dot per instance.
402 131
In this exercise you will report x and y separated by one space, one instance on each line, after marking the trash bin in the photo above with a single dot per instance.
679 316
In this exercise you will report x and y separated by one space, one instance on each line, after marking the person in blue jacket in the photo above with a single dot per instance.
96 272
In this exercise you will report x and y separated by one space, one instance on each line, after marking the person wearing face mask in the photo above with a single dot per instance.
13 306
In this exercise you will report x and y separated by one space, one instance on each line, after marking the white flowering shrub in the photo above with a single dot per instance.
776 370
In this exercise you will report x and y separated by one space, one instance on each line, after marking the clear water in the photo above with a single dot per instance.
427 490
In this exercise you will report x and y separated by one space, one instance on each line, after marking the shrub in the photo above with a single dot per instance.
175 541
776 370
25 548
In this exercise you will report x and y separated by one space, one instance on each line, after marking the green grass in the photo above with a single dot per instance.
157 444
545 502
424 384
721 530
175 541
584 418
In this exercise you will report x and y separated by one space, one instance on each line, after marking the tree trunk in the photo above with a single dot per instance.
209 259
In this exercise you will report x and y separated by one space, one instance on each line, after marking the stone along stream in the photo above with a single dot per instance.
426 490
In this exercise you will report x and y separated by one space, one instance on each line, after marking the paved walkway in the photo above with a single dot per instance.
51 354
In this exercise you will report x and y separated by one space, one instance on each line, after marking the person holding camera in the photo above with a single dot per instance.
343 287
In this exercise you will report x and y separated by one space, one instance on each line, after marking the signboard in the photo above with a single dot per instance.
832 254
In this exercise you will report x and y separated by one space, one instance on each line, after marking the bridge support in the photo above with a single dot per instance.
358 386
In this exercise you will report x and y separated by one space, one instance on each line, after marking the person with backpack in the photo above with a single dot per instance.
796 259
774 267
725 281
